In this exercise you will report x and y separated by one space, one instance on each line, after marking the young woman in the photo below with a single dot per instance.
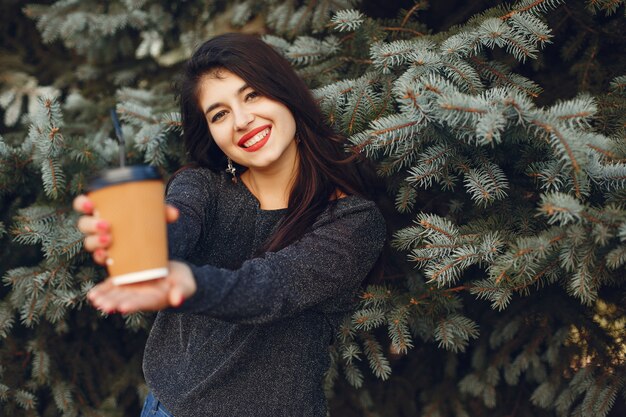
270 238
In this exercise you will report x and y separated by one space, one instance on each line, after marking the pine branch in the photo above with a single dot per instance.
353 375
531 6
435 226
307 50
384 134
561 208
376 296
398 330
347 20
467 78
531 26
368 319
378 362
499 74
25 399
7 320
453 332
487 184
557 137
63 397
419 5
405 199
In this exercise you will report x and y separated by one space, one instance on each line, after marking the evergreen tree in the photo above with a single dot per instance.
499 132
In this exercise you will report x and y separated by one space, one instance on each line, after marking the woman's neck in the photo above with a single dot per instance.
272 189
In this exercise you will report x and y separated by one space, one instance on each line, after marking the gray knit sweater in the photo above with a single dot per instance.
253 340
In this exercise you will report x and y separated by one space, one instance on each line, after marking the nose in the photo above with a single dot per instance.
243 118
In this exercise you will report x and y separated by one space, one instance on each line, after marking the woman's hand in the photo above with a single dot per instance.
98 231
152 295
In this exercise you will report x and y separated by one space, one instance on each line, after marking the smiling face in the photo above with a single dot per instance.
253 130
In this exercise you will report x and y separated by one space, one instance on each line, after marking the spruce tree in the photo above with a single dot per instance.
498 129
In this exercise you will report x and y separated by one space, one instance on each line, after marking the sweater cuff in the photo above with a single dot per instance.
207 292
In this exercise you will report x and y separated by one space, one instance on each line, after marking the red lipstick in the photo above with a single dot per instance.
251 134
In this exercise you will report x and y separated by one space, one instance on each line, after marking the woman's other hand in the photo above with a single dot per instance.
98 231
151 295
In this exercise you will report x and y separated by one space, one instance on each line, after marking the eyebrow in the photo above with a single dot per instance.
214 105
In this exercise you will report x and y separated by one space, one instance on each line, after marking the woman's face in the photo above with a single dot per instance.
254 131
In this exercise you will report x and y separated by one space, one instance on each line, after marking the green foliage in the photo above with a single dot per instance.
347 20
458 117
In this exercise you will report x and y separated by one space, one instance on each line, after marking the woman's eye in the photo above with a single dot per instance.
251 95
217 116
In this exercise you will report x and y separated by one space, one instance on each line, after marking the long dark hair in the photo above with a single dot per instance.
324 167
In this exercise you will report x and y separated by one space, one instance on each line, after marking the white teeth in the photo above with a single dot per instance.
256 138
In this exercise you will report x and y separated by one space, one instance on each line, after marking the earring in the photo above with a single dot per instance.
298 140
231 170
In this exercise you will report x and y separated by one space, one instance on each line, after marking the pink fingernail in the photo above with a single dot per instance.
87 206
104 238
102 225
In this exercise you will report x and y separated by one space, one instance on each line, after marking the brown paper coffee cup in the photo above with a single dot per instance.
131 199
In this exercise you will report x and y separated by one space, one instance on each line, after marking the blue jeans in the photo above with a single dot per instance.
153 408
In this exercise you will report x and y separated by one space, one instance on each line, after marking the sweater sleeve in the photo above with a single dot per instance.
335 256
191 193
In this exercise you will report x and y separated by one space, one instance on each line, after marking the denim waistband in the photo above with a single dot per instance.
153 408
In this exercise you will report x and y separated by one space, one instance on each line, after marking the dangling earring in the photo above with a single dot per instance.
298 138
231 170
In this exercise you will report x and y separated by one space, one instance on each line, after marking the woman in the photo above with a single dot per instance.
270 239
